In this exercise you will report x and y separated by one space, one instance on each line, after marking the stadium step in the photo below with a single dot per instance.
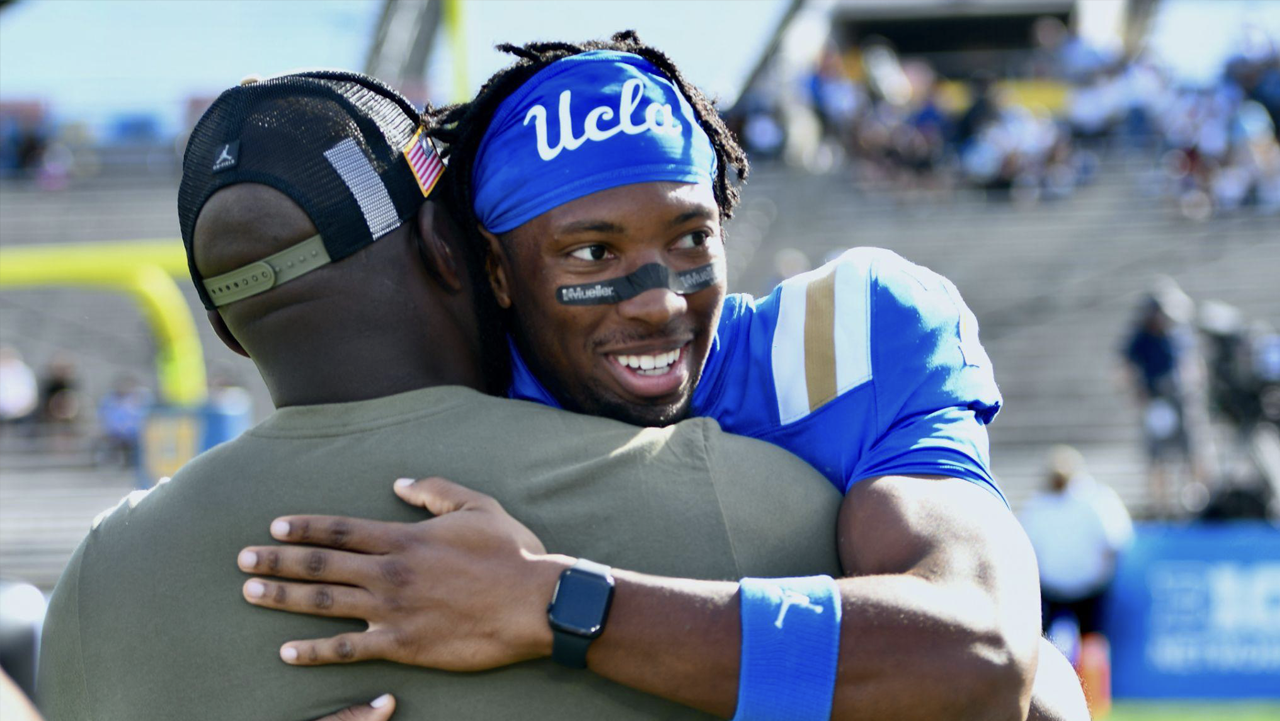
44 515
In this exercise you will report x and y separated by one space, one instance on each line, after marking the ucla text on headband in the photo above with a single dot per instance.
586 123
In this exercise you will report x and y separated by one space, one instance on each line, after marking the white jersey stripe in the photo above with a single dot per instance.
853 322
851 336
788 351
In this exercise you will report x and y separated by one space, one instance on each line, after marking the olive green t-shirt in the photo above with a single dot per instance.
148 622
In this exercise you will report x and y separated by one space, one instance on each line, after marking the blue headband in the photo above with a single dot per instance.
584 124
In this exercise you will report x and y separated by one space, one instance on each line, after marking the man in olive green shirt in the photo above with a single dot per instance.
148 622
372 361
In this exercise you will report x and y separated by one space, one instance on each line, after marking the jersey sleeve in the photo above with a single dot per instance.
867 366
933 384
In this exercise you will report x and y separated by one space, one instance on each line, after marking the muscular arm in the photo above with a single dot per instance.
940 613
940 609
940 616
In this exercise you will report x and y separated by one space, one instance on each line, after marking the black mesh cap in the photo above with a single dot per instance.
343 146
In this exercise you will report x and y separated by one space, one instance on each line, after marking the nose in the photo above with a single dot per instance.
655 307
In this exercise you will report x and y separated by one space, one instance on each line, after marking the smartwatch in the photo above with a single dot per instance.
578 610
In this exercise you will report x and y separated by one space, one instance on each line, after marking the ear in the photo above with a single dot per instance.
224 333
435 233
496 267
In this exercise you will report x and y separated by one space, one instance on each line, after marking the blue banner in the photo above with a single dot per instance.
1195 613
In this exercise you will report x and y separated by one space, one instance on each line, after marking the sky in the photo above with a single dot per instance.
93 60
1194 36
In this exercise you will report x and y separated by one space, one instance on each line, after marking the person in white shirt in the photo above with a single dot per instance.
1078 527
18 391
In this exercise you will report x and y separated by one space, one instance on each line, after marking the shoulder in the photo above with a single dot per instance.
924 345
748 463
154 517
821 334
779 511
813 333
868 315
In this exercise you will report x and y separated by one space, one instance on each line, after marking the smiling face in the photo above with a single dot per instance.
638 360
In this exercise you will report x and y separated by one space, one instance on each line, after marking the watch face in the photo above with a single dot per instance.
581 603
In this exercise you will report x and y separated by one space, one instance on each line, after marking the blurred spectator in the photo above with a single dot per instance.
60 404
1256 69
1097 105
18 387
983 110
834 96
30 149
120 416
1161 356
22 612
1077 526
759 124
931 119
23 138
1061 53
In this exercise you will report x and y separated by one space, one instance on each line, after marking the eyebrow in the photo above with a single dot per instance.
695 214
605 226
591 226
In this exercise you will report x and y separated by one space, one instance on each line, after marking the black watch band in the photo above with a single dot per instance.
578 611
570 649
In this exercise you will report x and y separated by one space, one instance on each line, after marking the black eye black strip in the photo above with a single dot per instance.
646 277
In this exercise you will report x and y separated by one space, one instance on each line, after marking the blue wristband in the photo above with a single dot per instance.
790 645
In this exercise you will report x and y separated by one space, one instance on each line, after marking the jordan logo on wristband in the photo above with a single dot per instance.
793 598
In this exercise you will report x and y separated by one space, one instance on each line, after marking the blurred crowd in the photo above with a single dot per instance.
1206 381
49 408
1031 129
898 123
1217 143
54 411
1037 132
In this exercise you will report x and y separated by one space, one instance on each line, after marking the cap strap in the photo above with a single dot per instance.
265 274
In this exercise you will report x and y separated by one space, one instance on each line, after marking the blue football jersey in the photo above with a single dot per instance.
867 366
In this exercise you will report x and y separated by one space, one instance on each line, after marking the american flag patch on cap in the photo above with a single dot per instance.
423 160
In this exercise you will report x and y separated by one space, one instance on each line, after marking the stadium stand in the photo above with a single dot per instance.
1053 287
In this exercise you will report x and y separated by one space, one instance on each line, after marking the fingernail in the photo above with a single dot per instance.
247 559
280 529
404 482
289 654
255 589
381 701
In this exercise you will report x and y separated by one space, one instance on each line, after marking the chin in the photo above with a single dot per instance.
644 415
591 398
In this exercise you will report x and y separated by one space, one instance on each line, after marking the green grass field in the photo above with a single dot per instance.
1188 711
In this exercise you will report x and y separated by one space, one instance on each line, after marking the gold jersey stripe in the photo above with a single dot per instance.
819 339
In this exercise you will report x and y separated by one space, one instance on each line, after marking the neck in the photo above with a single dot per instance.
362 366
357 377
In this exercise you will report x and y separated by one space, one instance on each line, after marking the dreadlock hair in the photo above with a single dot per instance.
462 126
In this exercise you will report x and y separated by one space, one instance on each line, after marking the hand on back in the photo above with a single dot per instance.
464 591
